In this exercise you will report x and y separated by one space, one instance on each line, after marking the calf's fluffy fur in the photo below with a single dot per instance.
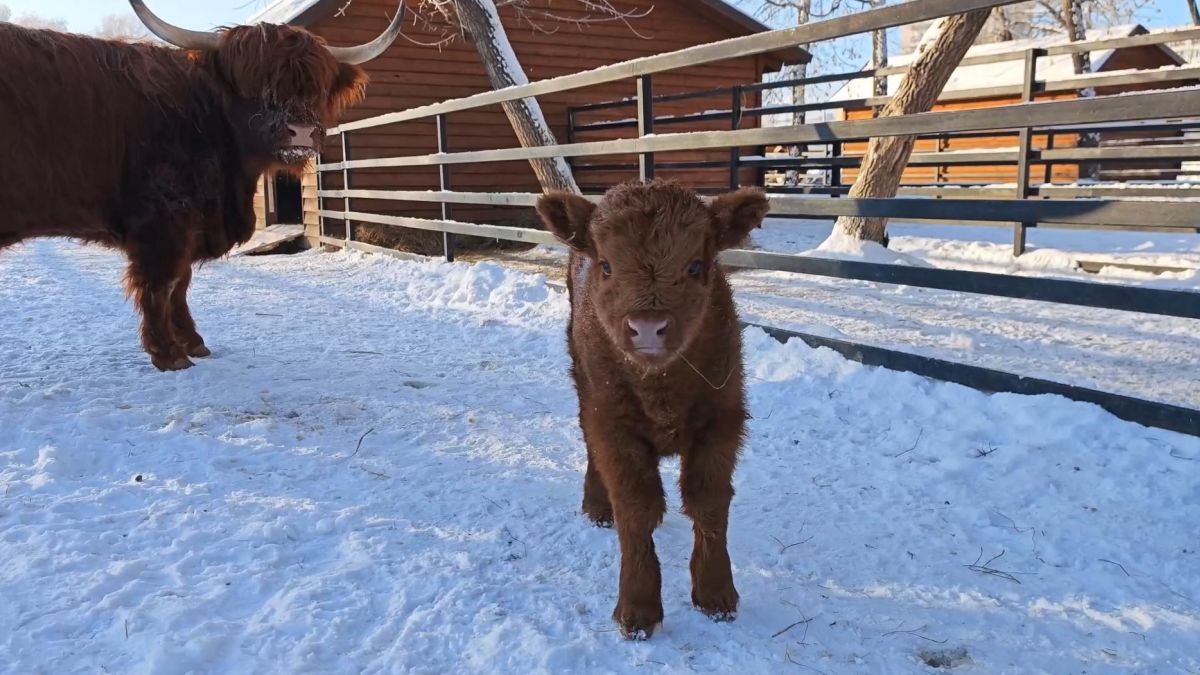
657 362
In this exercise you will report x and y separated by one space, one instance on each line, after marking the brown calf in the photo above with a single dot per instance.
657 361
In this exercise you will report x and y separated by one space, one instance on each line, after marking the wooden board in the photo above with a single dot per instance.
266 239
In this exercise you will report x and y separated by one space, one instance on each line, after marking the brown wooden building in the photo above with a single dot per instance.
424 67
1010 74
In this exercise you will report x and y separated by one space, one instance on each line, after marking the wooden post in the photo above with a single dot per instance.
346 186
645 99
1025 149
735 154
444 183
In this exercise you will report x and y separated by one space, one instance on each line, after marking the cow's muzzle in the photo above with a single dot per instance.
302 136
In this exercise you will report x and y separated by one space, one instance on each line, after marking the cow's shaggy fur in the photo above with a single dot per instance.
157 151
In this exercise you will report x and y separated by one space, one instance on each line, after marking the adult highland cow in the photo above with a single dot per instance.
657 360
157 151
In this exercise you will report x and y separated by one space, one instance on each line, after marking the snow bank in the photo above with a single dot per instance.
380 469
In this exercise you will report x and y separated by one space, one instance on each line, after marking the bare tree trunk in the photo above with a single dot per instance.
879 57
1072 13
1073 25
883 165
1195 12
799 91
481 22
1004 29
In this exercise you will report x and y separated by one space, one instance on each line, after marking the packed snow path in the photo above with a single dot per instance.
380 471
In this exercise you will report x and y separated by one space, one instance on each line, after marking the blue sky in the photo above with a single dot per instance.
84 15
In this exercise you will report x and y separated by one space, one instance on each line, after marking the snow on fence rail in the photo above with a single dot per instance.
1022 118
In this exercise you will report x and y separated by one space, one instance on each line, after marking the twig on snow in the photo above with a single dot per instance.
360 442
801 622
914 445
1110 562
985 452
377 474
787 655
1174 453
915 632
784 547
986 568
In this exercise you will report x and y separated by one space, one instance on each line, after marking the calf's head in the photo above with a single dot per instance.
651 252
283 85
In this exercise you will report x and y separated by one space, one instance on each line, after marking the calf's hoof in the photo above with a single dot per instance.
168 363
637 622
719 605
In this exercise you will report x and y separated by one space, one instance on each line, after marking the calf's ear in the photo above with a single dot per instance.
566 216
737 213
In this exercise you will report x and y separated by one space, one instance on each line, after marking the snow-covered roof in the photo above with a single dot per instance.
282 11
1012 72
1189 50
288 11
305 12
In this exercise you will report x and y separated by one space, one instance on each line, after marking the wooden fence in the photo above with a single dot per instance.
1021 119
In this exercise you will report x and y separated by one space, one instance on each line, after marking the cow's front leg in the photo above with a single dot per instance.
181 317
706 483
629 469
151 280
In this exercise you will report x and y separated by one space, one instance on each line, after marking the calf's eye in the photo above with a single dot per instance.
606 268
694 268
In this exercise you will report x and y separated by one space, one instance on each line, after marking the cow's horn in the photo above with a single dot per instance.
364 53
180 37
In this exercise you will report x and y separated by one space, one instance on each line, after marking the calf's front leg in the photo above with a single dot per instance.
629 469
706 483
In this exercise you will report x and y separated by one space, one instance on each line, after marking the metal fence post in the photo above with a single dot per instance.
570 134
835 169
645 98
320 199
1025 148
346 187
444 183
735 154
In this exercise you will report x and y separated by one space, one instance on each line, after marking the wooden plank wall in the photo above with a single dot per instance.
411 74
1124 59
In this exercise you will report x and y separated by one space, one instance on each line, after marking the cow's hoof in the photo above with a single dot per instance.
199 351
166 364
637 623
720 605
601 516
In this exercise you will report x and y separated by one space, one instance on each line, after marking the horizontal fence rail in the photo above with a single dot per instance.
1044 114
1023 205
1146 40
749 45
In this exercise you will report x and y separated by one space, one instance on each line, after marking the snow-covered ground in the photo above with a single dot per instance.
379 471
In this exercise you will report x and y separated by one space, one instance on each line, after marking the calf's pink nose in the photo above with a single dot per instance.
302 135
648 333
